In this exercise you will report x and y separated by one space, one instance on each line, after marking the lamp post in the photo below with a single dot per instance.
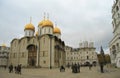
102 63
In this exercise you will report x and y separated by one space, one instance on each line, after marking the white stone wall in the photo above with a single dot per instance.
114 44
46 30
44 52
39 30
57 35
29 33
4 55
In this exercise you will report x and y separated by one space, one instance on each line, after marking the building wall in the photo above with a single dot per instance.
29 33
4 55
45 51
80 55
114 44
47 30
14 52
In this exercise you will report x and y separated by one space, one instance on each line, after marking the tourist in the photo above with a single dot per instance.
19 69
101 68
10 68
78 68
62 69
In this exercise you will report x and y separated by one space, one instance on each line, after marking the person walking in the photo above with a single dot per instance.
78 68
101 68
10 68
19 69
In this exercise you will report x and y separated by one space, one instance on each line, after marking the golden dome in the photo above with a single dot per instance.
36 33
3 45
57 30
41 22
29 27
45 23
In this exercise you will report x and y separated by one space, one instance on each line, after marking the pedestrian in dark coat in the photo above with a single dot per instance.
15 69
10 68
19 69
101 68
78 68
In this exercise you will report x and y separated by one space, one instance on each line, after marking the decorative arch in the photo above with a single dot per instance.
94 63
87 63
114 49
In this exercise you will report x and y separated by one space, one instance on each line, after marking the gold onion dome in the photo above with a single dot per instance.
45 23
41 22
29 27
3 45
57 30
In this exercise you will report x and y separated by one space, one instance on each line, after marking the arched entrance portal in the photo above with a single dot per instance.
32 55
87 63
94 63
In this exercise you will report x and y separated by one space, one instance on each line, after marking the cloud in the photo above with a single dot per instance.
78 19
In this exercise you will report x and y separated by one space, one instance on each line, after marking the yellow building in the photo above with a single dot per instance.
43 49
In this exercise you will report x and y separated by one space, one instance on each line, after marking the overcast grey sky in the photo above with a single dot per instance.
78 20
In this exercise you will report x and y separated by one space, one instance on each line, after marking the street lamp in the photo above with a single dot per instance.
102 62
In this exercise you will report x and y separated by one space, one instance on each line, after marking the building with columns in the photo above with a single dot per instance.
84 55
43 49
114 44
4 55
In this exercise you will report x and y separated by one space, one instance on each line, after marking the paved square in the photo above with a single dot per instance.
55 73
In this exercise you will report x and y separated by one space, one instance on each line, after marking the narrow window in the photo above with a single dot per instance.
44 30
117 8
43 53
87 57
44 40
22 54
44 62
49 30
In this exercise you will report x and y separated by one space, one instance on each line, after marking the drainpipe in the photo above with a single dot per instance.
50 52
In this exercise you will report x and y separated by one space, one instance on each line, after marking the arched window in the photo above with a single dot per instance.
29 33
117 8
87 57
44 40
117 46
45 30
49 30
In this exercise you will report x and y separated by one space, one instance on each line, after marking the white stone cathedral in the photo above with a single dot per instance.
43 49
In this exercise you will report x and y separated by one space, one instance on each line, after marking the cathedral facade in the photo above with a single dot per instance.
43 49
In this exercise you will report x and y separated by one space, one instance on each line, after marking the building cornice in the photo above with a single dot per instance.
114 39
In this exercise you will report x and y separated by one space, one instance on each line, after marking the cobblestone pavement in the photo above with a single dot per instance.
55 73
